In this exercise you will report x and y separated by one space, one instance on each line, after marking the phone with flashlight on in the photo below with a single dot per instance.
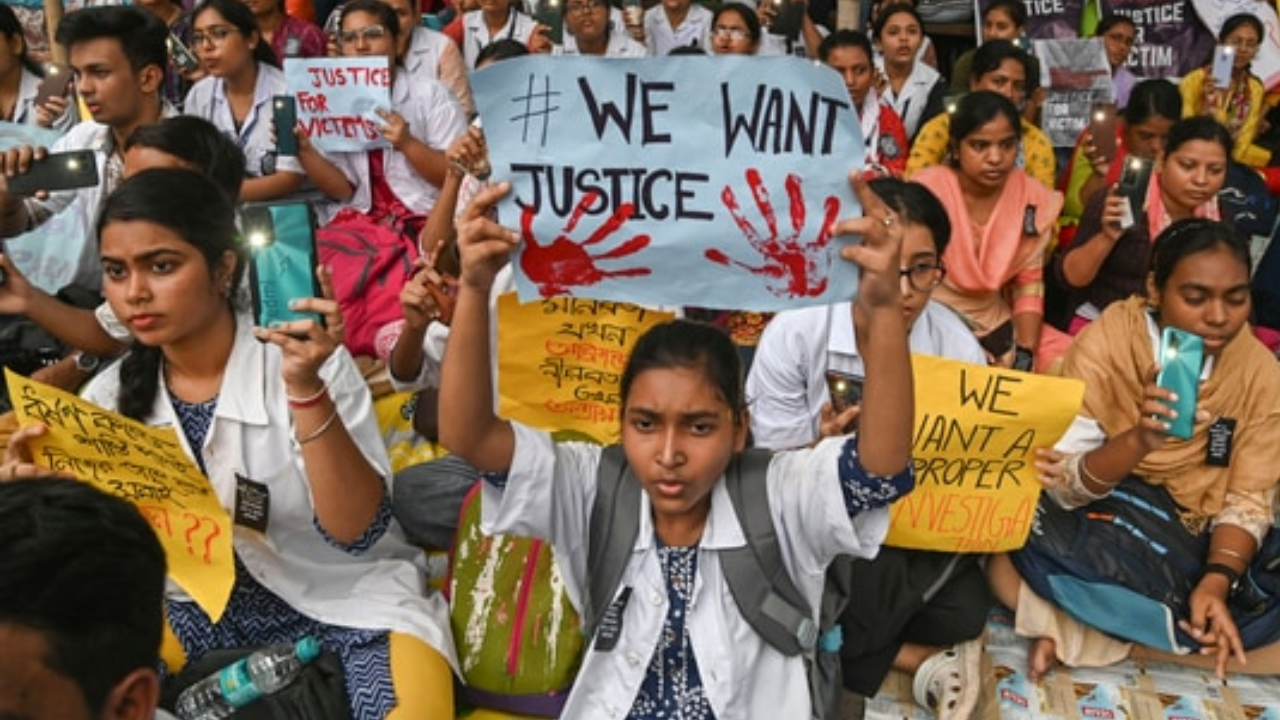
282 243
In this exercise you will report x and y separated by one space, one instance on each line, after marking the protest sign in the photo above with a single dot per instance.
560 361
977 429
664 181
1078 75
337 99
1171 39
1266 63
145 466
14 134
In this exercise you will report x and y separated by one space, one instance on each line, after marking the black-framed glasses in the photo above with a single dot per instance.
923 277
368 34
212 36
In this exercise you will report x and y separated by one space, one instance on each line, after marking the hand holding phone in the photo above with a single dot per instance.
281 236
284 117
55 83
1224 62
1102 130
181 56
1135 176
56 171
1181 360
845 390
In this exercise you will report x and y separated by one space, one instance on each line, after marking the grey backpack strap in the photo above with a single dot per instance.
774 608
615 522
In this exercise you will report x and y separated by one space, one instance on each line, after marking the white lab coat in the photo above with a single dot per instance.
208 99
549 493
662 38
476 36
787 385
382 588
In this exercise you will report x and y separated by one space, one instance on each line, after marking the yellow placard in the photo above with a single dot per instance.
560 361
976 431
145 466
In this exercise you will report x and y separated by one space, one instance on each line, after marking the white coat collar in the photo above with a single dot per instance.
722 530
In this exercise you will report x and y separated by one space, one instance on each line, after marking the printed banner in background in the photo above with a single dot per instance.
1171 39
667 182
977 429
144 465
1077 75
336 100
560 362
1266 64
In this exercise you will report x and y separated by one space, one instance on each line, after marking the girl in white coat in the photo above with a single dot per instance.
683 649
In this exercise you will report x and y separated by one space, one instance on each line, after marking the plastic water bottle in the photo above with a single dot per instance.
245 680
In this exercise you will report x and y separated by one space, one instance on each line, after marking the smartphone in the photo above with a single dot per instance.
548 13
1224 61
1102 126
181 55
57 79
1181 359
282 241
284 116
1134 178
845 390
56 171
951 102
788 19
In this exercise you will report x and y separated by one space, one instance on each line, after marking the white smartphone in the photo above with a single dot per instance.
1224 62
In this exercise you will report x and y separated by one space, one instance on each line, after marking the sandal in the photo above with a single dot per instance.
949 683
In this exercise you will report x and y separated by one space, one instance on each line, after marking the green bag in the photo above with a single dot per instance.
519 639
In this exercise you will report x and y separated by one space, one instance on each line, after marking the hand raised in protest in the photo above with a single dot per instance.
565 263
879 252
484 246
797 267
427 297
470 155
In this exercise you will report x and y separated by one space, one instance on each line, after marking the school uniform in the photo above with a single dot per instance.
435 118
476 35
208 100
661 38
912 102
619 46
548 493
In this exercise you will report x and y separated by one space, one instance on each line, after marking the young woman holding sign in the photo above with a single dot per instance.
1143 536
243 75
280 413
383 194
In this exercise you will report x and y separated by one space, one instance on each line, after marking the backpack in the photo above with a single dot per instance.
518 637
775 609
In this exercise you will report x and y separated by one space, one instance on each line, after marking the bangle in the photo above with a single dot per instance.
1230 553
1086 475
320 430
310 400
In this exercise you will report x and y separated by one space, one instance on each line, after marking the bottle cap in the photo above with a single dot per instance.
307 649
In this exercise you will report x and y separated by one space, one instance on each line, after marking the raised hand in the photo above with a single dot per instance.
565 263
795 267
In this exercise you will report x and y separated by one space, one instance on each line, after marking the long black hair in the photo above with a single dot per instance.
193 207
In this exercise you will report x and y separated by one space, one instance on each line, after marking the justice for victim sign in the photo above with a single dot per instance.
976 432
144 465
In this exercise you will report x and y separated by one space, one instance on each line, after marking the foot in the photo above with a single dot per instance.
1042 658
949 682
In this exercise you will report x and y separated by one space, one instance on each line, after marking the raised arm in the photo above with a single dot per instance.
887 416
473 430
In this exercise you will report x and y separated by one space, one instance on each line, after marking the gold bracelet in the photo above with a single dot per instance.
320 430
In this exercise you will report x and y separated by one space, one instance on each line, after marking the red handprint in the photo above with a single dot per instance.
564 264
802 267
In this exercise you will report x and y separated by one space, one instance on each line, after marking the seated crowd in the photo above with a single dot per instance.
977 245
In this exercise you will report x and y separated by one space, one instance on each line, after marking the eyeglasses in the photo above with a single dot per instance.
733 33
212 36
368 34
583 8
1244 45
923 277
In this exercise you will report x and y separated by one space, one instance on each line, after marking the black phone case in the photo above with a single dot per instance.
284 115
57 171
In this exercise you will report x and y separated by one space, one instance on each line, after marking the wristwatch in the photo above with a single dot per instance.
87 363
1231 574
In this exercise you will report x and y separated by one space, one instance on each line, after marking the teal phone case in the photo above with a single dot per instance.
281 236
1181 360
